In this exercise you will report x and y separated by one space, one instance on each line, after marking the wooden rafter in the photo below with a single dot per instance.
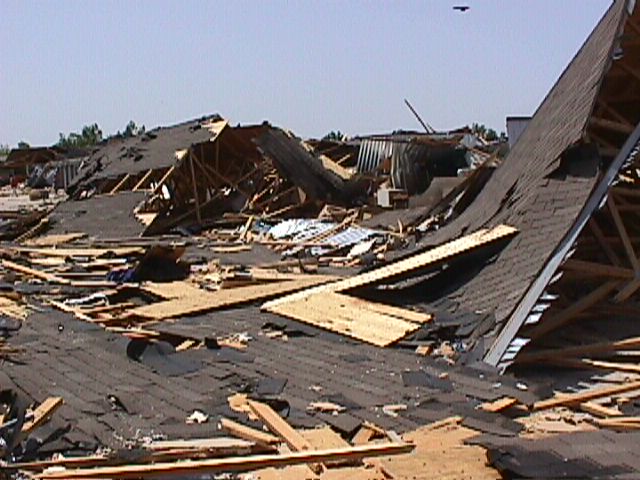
606 248
194 183
142 181
612 125
598 269
565 316
164 179
119 185
624 236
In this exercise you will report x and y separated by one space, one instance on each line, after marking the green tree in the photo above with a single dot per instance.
4 149
89 136
335 135
23 145
131 130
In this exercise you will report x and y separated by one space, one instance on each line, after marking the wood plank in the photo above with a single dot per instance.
199 444
598 269
231 464
620 423
599 410
579 350
119 185
248 433
168 290
329 311
585 396
624 236
563 317
144 178
54 239
79 251
600 238
612 125
194 185
41 415
47 277
499 405
206 301
164 178
433 257
279 426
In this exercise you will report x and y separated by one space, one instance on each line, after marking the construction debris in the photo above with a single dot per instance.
211 299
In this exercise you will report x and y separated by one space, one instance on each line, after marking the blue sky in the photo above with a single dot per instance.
310 66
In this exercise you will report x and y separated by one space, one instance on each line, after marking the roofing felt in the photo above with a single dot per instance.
152 150
88 366
529 190
109 216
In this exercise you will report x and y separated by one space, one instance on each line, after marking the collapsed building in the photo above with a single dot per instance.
215 299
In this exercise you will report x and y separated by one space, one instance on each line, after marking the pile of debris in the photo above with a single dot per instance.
233 300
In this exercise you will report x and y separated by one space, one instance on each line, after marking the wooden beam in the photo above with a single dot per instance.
231 464
606 248
431 258
120 184
164 179
612 125
565 316
599 410
279 426
195 187
631 71
624 236
614 113
47 277
248 433
568 399
598 269
579 350
41 415
142 180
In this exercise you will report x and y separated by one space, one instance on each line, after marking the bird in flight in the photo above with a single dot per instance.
461 8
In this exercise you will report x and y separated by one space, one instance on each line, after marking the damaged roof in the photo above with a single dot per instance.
541 186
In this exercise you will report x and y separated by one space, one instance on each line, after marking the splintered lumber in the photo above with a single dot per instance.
369 322
599 410
206 301
580 397
41 415
248 433
79 251
279 426
431 258
170 290
220 445
231 464
620 423
32 272
632 343
499 405
54 239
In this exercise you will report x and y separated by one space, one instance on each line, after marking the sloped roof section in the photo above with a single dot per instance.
532 189
151 150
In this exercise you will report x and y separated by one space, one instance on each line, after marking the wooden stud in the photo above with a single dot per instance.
231 464
606 248
141 182
248 433
563 317
622 232
580 397
612 125
195 187
119 185
598 269
164 178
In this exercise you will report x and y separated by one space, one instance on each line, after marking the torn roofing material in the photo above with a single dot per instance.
120 156
531 190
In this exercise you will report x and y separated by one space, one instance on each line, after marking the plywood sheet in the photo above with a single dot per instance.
433 257
367 321
206 301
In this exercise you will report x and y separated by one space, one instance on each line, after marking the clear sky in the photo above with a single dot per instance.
308 65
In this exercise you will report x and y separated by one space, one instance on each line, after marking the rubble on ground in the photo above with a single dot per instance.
216 300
